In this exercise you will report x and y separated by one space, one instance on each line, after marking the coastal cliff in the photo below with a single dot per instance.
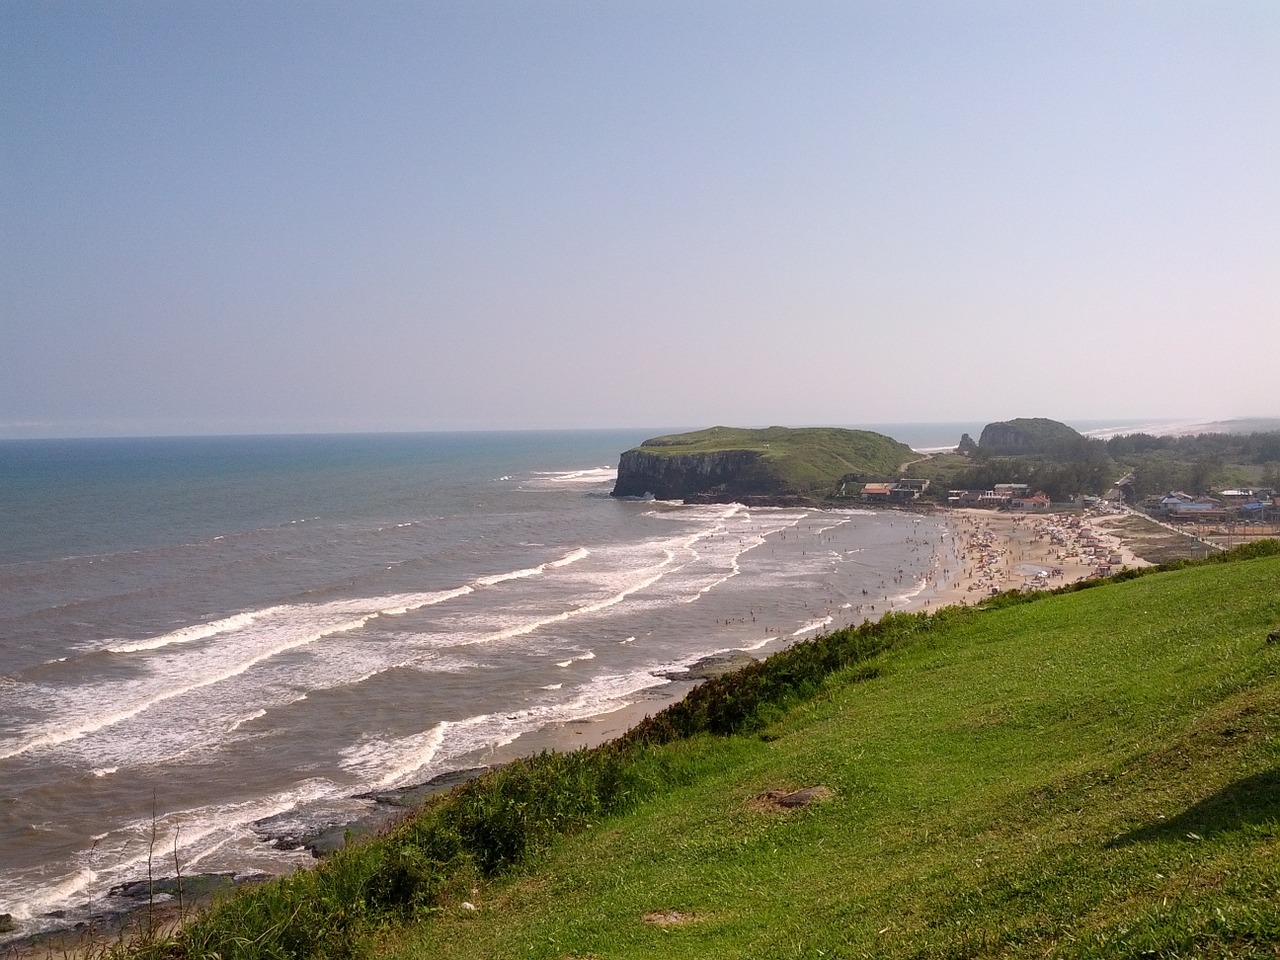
643 472
777 464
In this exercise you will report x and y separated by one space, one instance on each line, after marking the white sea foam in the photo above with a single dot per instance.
395 761
198 631
647 579
46 896
412 755
588 655
256 637
104 771
122 853
418 601
512 575
812 626
573 556
832 526
245 719
591 475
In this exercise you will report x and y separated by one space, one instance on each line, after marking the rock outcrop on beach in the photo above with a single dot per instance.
776 465
1028 436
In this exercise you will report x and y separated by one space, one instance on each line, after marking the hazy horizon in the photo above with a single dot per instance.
1103 427
239 218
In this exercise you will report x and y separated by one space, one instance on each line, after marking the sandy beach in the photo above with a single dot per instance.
991 552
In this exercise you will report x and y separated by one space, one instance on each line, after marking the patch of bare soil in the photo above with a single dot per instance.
782 801
668 918
1151 541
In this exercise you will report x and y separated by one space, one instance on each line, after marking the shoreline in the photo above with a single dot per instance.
979 551
965 567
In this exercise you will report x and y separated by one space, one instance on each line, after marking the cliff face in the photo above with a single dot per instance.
730 473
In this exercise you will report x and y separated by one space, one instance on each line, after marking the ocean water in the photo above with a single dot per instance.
200 636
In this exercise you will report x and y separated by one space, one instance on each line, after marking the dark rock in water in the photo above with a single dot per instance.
197 885
323 837
6 923
710 667
128 907
414 796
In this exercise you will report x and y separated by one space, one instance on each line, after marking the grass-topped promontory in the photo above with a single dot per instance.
1090 773
796 461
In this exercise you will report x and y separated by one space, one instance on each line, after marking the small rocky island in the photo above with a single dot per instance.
1034 436
777 465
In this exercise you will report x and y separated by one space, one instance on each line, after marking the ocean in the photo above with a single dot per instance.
209 642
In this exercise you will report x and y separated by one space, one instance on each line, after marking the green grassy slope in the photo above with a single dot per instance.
1093 774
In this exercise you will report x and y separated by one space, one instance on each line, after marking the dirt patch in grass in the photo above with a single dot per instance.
668 918
784 801
1151 541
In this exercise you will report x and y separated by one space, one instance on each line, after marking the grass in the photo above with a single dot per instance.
1093 773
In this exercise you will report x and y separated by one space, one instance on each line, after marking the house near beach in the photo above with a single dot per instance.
1202 510
906 490
1039 501
877 492
900 491
1010 491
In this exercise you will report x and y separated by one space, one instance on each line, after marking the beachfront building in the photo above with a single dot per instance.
1202 510
877 492
1011 491
909 489
1040 501
899 491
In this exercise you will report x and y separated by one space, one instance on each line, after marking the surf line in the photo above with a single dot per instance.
406 602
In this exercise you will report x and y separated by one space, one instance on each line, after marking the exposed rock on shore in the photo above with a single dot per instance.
323 838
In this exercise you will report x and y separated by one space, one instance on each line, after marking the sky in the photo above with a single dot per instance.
248 217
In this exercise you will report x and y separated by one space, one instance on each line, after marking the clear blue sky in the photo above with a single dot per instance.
248 216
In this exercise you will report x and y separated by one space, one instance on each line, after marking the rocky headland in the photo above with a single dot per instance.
777 466
1024 436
